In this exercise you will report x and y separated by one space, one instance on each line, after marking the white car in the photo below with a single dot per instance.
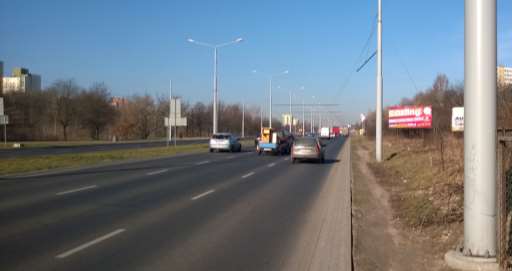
225 142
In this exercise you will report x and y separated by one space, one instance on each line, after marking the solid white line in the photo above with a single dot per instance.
202 163
203 194
271 164
88 244
76 190
248 175
157 172
230 157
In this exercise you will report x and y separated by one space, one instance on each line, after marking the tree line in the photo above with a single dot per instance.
66 111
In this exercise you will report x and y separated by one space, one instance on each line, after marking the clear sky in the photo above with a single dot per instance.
135 47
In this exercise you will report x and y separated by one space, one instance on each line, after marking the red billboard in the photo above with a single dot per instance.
410 117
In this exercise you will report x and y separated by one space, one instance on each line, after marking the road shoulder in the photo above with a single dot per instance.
380 243
324 239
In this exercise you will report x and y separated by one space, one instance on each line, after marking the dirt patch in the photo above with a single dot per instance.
382 241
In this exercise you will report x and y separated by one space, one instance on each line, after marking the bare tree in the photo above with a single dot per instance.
66 109
95 109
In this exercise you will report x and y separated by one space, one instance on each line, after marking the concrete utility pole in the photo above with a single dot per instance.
303 117
243 120
378 110
480 128
291 117
170 108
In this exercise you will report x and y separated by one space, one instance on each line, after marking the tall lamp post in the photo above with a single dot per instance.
215 48
270 95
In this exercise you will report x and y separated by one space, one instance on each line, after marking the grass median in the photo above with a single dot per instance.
46 162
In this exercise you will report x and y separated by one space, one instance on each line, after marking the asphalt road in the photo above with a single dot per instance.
208 211
54 150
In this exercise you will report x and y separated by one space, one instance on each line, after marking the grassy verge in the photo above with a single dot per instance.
42 144
38 163
426 198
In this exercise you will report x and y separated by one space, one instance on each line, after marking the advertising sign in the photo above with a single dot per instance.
458 119
411 117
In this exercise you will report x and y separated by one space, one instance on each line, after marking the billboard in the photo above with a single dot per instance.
410 117
458 119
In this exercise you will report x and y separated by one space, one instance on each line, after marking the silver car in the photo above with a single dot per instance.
307 148
225 142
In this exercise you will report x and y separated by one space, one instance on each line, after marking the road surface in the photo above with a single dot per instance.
54 150
208 211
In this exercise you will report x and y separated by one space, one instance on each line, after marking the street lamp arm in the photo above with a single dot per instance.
201 43
229 43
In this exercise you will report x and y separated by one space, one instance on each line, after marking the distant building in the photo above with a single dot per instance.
118 101
504 75
21 81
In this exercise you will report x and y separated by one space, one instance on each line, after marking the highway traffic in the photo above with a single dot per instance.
206 211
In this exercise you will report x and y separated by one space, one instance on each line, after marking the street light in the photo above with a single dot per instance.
215 47
270 95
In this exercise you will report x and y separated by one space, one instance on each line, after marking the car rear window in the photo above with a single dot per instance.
220 136
305 142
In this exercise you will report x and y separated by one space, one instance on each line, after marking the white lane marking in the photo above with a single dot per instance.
88 244
248 175
203 194
157 172
202 163
76 190
230 157
271 164
287 158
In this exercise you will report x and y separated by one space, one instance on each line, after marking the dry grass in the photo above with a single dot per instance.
423 193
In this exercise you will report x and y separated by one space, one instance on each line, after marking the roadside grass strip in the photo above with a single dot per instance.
46 162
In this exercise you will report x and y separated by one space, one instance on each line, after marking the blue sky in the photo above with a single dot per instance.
135 47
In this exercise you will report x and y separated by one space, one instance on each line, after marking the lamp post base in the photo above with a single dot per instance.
456 260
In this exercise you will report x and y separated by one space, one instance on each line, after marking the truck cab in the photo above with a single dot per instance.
274 141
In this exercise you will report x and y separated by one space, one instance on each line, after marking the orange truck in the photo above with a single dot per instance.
274 141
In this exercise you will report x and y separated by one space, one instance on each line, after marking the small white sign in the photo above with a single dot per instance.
4 120
1 105
179 122
458 119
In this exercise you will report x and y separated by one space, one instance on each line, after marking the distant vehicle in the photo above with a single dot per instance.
308 148
325 132
336 131
225 142
344 131
274 141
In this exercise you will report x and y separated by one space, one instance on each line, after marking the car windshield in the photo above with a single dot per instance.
220 136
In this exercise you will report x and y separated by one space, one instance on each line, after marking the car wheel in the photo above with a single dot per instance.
211 150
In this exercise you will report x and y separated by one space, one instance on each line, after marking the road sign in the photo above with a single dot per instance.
458 119
1 105
4 120
178 122
175 114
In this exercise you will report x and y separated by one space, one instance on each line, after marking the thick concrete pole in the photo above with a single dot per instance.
480 128
378 110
